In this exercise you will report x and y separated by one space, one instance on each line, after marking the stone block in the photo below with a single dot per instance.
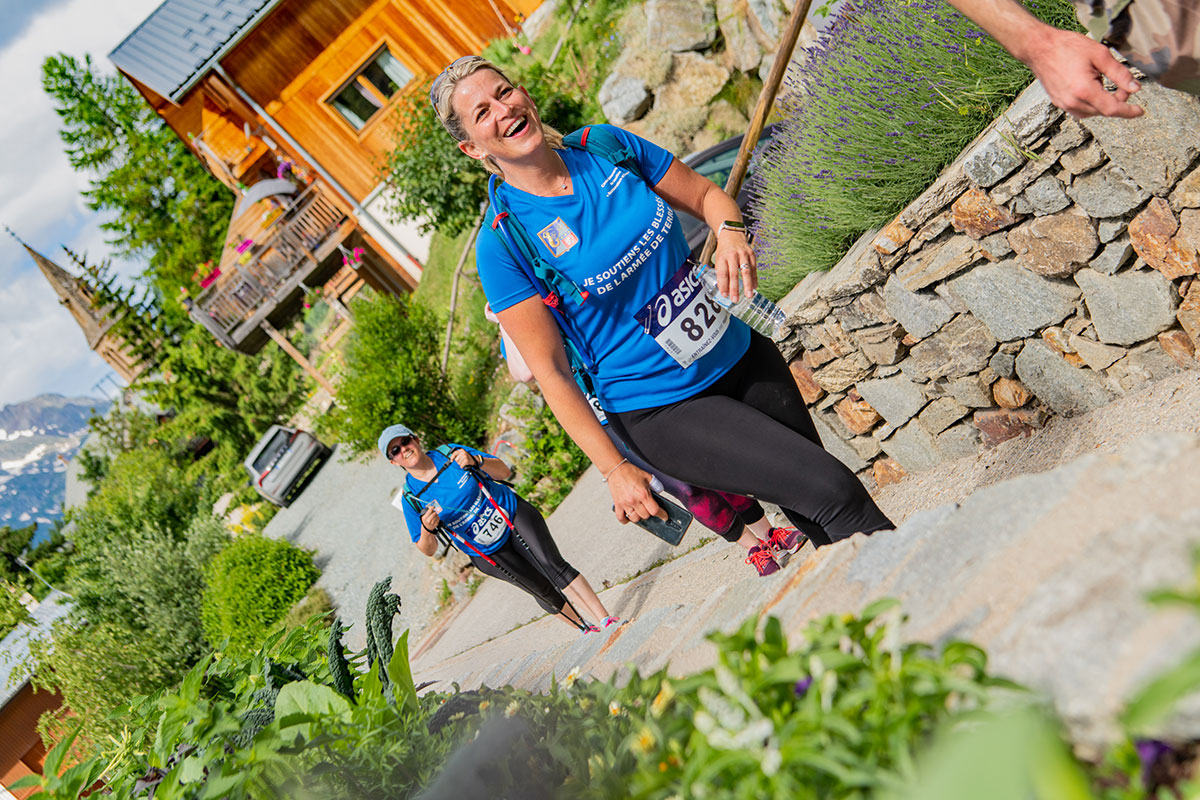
953 301
931 230
913 447
836 446
1187 192
971 391
623 98
1013 302
679 25
1001 424
992 159
938 262
1129 307
831 335
1070 135
1153 235
1143 365
1179 347
1109 229
941 193
941 414
959 441
1030 115
1046 196
882 343
963 346
996 246
1187 238
887 471
1057 339
1114 256
1016 183
1157 148
865 310
921 313
892 238
896 399
694 82
1066 389
806 382
741 45
856 413
1002 364
858 271
976 215
1107 192
1094 354
1010 393
839 375
1081 159
1054 245
867 447
1188 314
803 304
818 357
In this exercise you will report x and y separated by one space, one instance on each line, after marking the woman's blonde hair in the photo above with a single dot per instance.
442 91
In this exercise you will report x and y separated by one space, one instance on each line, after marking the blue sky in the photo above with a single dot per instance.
41 347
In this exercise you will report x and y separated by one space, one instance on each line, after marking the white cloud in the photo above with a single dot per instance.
41 347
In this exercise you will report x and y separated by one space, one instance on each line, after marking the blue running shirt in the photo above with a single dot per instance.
465 509
620 242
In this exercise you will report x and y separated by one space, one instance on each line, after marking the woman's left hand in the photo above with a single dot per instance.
465 459
736 266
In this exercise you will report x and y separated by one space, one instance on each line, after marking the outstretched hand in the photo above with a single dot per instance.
632 500
464 459
1072 67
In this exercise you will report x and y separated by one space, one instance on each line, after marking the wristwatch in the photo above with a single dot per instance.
732 225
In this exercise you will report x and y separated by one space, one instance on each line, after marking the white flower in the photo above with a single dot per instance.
572 676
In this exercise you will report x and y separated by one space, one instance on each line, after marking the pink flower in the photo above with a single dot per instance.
524 49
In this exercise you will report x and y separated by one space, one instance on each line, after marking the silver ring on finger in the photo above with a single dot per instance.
744 267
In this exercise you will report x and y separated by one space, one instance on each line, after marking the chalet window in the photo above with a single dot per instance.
364 95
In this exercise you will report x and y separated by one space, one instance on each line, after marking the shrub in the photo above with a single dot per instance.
891 93
552 461
393 375
250 586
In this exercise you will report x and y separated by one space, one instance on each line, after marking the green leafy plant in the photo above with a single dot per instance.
551 463
392 374
250 586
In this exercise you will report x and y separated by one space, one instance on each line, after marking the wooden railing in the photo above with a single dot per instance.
292 241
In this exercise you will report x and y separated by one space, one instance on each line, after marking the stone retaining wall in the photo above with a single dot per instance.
1047 271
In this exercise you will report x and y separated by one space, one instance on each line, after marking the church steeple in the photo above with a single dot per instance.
78 297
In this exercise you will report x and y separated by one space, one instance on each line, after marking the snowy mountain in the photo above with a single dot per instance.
37 439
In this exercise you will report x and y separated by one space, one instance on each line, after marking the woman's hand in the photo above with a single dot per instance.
632 500
734 260
464 459
430 519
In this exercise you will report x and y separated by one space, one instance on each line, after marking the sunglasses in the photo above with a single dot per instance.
401 443
437 82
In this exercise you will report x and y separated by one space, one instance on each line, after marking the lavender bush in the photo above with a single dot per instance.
890 93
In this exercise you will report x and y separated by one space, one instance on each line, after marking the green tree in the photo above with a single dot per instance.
392 374
164 207
13 542
12 613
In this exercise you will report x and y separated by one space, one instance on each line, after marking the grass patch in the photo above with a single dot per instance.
893 92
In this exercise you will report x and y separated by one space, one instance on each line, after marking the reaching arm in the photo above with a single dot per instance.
430 520
536 335
489 464
685 188
1069 65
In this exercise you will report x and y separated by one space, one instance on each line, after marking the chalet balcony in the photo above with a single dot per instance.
264 277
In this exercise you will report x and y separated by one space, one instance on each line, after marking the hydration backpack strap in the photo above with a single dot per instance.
603 142
560 285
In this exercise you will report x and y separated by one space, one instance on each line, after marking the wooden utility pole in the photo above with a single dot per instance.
765 100
299 358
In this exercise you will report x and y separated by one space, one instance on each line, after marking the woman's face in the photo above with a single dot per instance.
499 119
406 451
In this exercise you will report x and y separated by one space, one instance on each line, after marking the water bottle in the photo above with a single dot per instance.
755 310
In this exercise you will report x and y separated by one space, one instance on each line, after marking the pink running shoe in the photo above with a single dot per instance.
761 559
785 540
590 629
611 622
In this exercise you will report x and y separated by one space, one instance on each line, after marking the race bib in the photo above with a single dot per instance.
683 319
488 528
594 402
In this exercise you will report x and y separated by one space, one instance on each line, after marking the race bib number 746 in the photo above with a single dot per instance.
683 319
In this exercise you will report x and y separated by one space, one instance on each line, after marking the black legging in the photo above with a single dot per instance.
750 433
540 570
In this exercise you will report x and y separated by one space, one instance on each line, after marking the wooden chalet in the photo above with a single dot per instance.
287 102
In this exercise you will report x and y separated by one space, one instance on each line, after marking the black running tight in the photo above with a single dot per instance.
532 561
750 433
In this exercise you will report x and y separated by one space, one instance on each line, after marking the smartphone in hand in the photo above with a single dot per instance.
671 529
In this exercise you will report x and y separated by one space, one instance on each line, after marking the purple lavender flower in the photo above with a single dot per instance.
801 687
1149 751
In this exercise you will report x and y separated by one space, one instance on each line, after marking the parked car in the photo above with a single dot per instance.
283 461
715 163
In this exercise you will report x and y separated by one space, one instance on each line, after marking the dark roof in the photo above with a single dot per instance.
178 42
14 648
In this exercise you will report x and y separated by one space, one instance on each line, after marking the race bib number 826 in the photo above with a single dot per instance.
683 319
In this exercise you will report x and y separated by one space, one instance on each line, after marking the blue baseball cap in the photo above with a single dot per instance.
392 432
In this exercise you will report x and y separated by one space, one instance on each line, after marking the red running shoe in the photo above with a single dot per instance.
785 540
761 559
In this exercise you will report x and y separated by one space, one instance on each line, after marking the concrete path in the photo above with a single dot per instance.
1047 571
